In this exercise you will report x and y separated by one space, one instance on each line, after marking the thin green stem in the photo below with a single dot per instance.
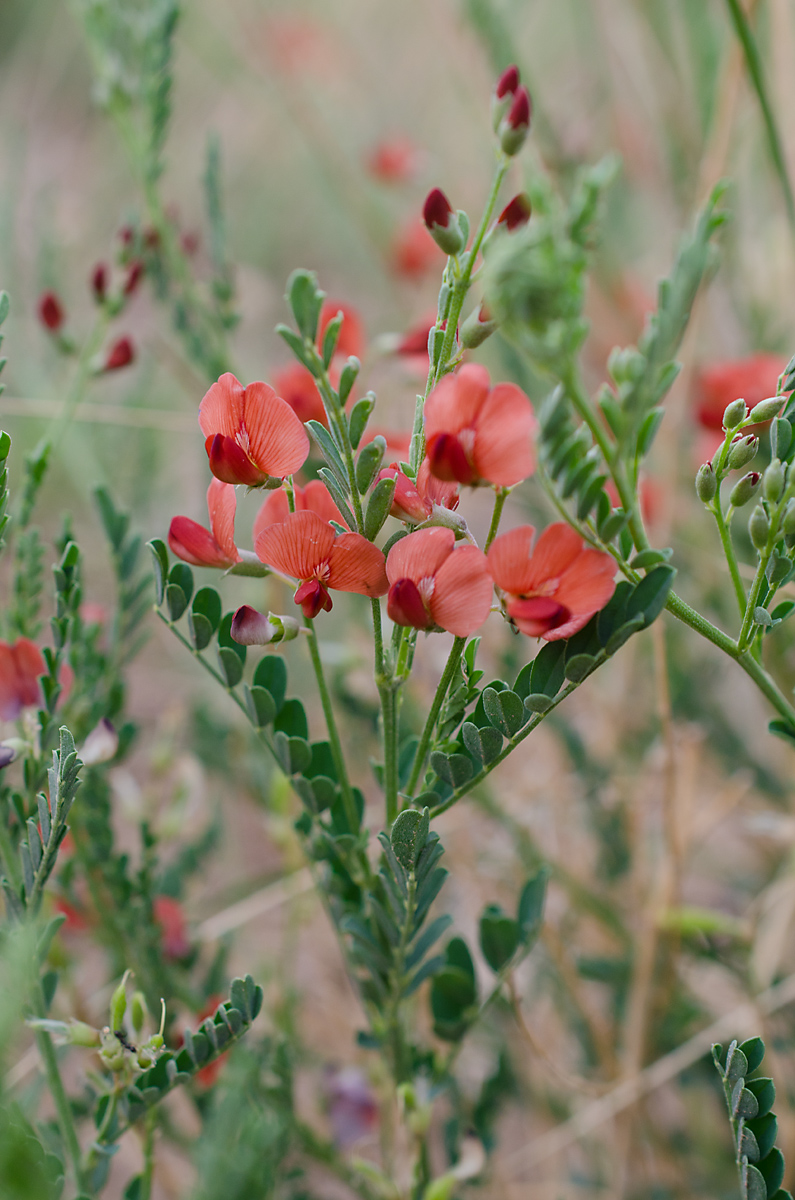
728 550
58 1092
427 734
83 373
389 718
217 676
753 599
331 726
145 1190
500 496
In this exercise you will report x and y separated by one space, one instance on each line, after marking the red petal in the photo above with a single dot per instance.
296 385
230 464
274 510
221 505
277 441
356 565
556 550
509 560
420 555
298 545
589 582
221 410
538 615
569 629
10 703
503 452
443 492
407 503
196 545
251 628
317 498
447 459
463 591
405 607
313 598
455 402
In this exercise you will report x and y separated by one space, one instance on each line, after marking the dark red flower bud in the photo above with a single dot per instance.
313 597
447 459
405 607
121 354
134 273
507 83
516 213
51 313
99 282
516 122
442 222
189 243
126 235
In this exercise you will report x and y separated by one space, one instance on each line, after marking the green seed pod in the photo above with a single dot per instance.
745 489
706 483
742 451
773 480
112 1052
759 527
765 410
138 1013
80 1034
734 414
788 525
118 1003
368 462
477 327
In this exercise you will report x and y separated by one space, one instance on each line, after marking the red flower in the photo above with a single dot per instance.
478 435
251 433
208 548
121 354
351 339
296 385
414 252
393 160
751 379
21 664
208 1075
51 312
315 497
173 928
554 590
415 502
507 83
306 548
436 584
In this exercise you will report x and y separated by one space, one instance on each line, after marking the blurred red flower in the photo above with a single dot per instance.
21 664
751 379
414 252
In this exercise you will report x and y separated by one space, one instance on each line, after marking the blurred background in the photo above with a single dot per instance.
661 802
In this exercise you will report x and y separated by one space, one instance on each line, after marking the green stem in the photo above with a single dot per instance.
58 1092
217 676
460 289
82 375
389 718
145 1190
425 740
500 496
753 599
331 726
728 550
397 971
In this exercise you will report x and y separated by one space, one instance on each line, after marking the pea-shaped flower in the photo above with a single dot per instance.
477 434
213 547
306 548
315 497
436 584
251 434
553 590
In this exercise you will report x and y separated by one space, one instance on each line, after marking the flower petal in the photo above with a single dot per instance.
420 555
455 402
509 559
503 452
252 628
10 703
317 498
194 544
556 549
297 545
278 442
589 582
568 630
221 505
230 463
463 591
221 410
436 491
351 338
356 565
296 385
404 605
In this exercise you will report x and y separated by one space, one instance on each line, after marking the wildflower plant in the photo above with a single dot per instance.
348 522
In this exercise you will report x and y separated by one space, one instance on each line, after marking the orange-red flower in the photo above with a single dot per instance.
251 434
414 252
476 434
213 547
751 379
21 664
306 548
553 590
170 917
393 160
415 502
315 497
295 383
434 583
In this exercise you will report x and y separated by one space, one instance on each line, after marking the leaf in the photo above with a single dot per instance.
753 1183
547 673
159 553
293 753
207 603
736 1064
455 769
271 674
329 451
378 507
649 558
360 415
408 835
292 719
579 666
530 912
765 1092
772 1169
538 703
483 744
176 601
181 575
305 299
225 637
754 1051
624 633
505 710
744 1102
499 937
651 593
231 666
260 704
201 631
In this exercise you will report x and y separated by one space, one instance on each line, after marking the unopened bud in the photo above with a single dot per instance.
734 414
745 489
788 524
742 451
773 480
477 327
516 122
138 1012
99 282
80 1034
134 273
121 354
252 628
517 212
759 527
503 94
51 312
442 222
765 410
118 1003
706 483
